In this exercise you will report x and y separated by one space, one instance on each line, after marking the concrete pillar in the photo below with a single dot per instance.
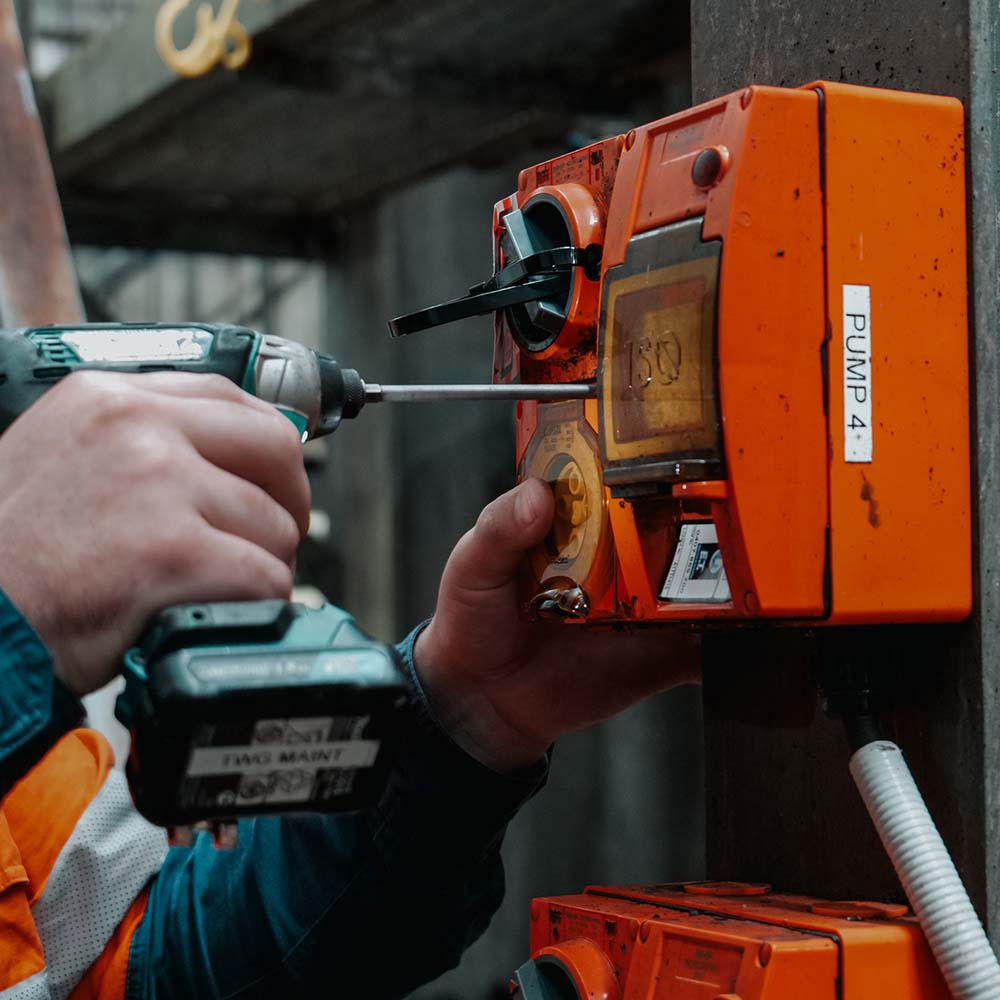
781 807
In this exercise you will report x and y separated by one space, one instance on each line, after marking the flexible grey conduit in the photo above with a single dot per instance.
926 871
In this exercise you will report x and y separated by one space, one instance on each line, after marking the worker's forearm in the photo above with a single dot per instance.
35 709
306 902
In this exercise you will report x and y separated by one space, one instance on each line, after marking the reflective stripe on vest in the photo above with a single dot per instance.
36 987
78 857
110 856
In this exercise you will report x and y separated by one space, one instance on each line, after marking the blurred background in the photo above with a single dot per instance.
347 174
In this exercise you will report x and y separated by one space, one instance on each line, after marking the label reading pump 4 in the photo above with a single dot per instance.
778 334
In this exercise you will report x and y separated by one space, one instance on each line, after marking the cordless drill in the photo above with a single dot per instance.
248 707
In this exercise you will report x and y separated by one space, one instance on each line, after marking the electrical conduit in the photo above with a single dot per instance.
926 871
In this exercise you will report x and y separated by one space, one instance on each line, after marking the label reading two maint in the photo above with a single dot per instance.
278 761
857 349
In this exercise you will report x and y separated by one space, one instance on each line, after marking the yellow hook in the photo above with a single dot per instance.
216 39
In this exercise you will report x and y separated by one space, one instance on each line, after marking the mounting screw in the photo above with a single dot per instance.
710 166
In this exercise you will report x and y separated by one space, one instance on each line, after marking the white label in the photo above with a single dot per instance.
696 572
857 346
266 668
139 344
284 761
263 759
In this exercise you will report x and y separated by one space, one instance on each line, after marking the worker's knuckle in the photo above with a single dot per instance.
108 406
269 578
91 395
282 579
285 435
287 534
220 387
85 383
171 549
466 543
152 456
490 522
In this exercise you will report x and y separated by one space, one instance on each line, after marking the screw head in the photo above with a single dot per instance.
709 166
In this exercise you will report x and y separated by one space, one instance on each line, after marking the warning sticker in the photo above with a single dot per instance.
857 345
279 760
696 572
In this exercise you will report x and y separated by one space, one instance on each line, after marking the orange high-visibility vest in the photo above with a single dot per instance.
75 863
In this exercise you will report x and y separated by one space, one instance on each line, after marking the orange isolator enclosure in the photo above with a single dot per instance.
723 941
777 327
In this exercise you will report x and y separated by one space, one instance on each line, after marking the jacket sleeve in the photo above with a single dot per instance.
370 904
35 709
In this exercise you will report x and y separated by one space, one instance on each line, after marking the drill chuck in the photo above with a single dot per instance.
342 394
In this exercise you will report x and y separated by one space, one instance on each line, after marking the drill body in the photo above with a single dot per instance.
310 388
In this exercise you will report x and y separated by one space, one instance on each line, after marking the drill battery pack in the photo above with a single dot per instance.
259 707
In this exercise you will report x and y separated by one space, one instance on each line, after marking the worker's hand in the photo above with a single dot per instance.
505 689
123 494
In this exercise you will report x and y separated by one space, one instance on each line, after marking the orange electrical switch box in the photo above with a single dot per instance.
722 941
770 291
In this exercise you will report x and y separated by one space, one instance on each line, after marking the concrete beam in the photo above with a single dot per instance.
121 73
195 227
339 104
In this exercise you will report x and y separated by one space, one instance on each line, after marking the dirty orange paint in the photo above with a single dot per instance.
672 943
778 331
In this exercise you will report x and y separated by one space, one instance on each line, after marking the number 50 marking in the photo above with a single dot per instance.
657 358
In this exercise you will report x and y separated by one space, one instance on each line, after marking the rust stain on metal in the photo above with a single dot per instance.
37 280
868 495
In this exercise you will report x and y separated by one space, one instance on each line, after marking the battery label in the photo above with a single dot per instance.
696 572
266 668
241 760
857 345
284 761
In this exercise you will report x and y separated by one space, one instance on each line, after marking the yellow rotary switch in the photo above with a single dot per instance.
574 564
